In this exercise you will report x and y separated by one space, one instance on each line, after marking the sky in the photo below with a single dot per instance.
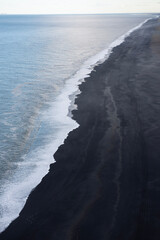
78 6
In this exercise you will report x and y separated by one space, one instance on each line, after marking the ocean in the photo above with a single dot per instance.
43 59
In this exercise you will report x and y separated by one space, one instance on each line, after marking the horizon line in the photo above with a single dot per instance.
79 13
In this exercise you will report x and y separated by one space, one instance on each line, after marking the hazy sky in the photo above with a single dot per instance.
78 6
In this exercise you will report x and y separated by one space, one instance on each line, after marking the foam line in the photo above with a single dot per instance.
16 192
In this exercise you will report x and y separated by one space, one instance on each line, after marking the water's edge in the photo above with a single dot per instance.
71 91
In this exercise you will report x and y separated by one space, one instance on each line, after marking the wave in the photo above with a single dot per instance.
16 191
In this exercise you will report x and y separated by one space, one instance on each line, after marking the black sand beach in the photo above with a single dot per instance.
105 184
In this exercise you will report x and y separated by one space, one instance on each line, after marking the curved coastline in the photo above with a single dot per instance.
64 101
76 181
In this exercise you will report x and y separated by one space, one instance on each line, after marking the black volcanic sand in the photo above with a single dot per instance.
105 184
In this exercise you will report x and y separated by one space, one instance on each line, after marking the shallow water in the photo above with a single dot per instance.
39 58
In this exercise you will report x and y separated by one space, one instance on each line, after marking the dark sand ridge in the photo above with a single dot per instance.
105 183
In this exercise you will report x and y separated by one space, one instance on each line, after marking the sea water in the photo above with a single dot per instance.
42 60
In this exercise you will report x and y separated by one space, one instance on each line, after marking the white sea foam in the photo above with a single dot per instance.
16 191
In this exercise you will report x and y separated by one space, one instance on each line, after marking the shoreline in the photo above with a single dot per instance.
83 195
64 101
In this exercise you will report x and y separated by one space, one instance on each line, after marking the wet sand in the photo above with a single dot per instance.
105 184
